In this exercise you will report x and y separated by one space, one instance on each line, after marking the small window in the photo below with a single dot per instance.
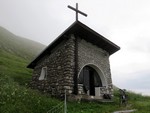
43 75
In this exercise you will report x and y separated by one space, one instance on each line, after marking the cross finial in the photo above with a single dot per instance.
77 11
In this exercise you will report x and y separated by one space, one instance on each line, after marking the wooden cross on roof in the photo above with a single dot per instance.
77 11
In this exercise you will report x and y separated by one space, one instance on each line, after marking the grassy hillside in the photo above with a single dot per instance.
15 54
18 99
15 67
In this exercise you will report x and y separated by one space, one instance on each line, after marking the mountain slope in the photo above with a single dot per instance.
19 46
15 55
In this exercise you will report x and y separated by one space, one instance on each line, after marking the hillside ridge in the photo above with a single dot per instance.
19 46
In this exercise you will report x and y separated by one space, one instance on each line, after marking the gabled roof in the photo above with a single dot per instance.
83 31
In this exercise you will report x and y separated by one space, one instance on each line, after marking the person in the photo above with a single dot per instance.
123 97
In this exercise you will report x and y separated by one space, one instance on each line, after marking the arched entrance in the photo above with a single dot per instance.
90 79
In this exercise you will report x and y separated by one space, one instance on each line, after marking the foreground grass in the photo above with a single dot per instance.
92 107
19 99
139 102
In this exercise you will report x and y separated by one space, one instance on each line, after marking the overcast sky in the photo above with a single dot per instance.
124 22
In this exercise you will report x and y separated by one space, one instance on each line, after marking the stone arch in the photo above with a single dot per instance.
99 71
91 78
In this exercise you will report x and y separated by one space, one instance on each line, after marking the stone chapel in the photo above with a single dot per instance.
77 62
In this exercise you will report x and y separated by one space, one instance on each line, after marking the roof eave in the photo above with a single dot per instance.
74 27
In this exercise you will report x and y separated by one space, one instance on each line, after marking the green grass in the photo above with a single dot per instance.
15 67
139 102
92 107
19 99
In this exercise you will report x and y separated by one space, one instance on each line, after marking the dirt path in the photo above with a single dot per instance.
125 111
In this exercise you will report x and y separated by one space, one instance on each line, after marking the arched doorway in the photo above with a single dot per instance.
90 79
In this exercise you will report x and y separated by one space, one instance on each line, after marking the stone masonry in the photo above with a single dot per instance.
60 63
89 54
60 70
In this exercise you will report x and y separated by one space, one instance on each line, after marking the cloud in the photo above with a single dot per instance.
130 67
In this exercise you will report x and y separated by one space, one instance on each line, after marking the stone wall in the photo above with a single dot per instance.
60 69
60 63
89 54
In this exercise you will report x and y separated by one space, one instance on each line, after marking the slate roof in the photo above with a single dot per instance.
83 31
